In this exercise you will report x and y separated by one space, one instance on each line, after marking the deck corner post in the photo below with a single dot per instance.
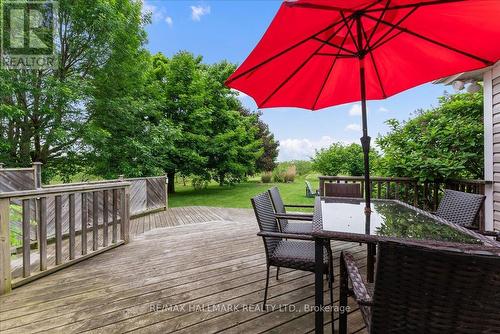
37 170
5 277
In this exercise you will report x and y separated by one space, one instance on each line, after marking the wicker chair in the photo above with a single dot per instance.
433 288
297 252
462 209
284 217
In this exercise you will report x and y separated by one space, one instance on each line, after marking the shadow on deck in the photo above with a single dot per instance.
186 270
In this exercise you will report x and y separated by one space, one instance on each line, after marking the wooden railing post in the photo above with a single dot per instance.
5 277
37 168
125 215
166 191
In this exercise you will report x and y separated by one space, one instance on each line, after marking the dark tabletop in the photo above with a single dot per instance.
344 219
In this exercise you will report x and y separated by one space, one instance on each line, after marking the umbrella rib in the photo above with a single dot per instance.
341 48
298 68
350 33
401 20
253 68
329 72
374 63
430 3
430 40
368 40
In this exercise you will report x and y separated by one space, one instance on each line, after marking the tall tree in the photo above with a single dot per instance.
267 161
43 113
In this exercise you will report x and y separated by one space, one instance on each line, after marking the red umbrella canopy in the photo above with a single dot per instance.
311 54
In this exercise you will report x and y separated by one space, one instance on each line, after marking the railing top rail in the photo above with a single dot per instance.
27 194
27 169
397 178
101 181
145 178
468 181
65 185
372 178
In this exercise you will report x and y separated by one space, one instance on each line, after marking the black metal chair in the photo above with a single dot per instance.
297 252
462 209
309 190
433 288
284 217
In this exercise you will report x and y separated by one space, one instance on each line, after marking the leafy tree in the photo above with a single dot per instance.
443 142
343 159
234 144
267 161
43 113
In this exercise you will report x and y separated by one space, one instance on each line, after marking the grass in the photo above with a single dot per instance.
238 196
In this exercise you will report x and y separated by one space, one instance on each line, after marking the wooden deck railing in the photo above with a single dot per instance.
147 194
101 207
425 195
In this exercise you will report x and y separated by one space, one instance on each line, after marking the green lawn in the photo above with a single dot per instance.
238 196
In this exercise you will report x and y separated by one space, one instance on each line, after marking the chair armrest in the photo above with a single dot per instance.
285 235
358 285
490 233
294 216
299 206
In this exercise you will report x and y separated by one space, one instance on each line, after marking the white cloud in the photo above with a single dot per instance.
383 109
157 14
170 21
198 11
353 127
356 110
303 149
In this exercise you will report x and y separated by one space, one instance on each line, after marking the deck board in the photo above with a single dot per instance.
194 257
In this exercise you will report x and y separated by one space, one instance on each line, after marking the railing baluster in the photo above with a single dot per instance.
397 190
95 220
115 215
58 228
5 278
72 228
84 223
415 195
26 238
379 189
388 189
436 196
406 185
42 233
105 214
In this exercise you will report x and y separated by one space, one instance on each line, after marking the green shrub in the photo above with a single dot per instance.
290 174
266 177
199 183
284 173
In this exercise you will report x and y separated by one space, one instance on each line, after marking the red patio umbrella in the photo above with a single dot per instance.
321 53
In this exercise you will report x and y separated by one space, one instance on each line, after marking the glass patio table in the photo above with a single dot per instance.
344 219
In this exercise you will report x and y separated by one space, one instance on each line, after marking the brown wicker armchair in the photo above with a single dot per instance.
284 217
433 288
462 209
297 252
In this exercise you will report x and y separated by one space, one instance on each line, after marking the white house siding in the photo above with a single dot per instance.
492 100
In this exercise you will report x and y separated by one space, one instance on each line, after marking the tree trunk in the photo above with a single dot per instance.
171 182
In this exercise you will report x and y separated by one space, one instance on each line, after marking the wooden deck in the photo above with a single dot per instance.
206 261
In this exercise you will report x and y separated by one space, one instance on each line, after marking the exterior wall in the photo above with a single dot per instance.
492 144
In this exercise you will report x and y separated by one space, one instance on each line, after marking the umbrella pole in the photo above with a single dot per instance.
365 140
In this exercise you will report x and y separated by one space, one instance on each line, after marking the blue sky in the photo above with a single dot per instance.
230 29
